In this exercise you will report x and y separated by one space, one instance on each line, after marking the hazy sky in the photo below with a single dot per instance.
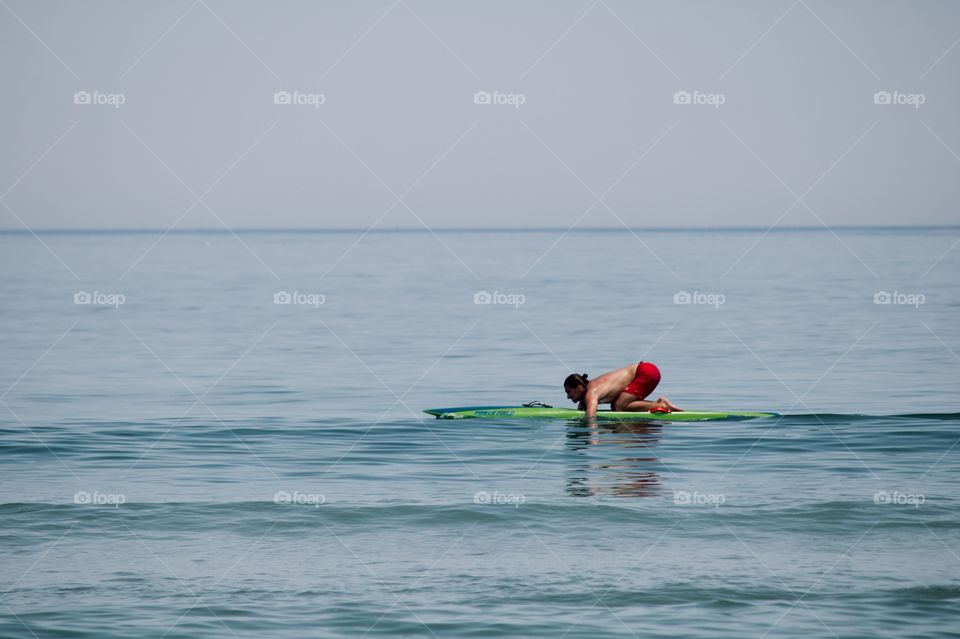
584 126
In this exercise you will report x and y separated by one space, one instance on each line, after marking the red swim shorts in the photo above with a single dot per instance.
646 379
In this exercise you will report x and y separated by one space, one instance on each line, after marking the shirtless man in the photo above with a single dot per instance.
625 389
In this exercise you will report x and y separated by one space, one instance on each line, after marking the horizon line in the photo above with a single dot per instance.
525 229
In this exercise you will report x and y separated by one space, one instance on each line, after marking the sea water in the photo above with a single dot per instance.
220 435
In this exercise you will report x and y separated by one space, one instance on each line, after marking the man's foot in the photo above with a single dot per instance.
666 403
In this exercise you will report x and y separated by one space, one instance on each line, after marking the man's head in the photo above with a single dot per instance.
576 387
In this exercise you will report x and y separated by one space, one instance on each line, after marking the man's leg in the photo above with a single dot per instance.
625 402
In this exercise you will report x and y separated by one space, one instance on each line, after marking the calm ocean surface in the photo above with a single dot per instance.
184 457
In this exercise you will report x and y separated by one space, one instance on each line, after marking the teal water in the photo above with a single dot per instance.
199 461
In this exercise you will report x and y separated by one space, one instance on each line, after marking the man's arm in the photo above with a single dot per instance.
591 400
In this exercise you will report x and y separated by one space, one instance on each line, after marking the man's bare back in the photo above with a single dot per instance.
625 389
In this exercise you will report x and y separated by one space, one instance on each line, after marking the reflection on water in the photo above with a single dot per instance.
613 459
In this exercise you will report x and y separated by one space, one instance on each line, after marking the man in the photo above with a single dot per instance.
625 389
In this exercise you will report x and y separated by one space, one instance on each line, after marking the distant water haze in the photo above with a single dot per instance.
426 114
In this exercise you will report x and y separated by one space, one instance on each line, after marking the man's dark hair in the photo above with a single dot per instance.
574 380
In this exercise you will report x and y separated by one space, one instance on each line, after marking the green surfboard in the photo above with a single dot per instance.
547 412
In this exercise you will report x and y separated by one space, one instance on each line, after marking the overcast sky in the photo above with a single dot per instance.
120 114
